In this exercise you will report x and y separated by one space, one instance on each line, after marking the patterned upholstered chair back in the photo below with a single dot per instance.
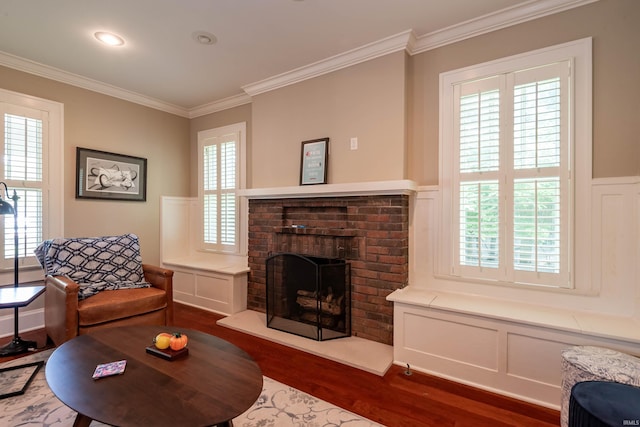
95 263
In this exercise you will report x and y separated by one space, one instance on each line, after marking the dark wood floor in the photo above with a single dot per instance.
393 400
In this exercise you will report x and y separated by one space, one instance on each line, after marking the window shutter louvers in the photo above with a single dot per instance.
537 206
23 172
228 207
220 184
512 176
210 168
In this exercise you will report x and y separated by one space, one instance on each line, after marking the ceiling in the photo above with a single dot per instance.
162 64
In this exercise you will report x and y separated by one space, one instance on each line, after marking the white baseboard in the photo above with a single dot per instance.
27 321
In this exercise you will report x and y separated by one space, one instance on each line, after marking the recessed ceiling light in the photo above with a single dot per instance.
204 37
109 38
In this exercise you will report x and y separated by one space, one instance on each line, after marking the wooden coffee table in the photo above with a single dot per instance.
211 385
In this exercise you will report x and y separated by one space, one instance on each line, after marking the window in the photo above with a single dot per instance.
32 149
221 175
23 174
509 166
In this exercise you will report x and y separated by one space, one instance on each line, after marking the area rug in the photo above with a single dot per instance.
278 405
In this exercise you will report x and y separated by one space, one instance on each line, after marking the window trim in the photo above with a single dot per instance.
241 203
53 174
579 52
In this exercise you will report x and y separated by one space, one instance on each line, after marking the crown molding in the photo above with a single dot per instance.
352 57
504 18
406 40
61 76
223 104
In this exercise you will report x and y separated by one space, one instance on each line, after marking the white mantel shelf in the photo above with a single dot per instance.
399 187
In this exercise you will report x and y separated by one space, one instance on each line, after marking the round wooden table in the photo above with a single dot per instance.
214 383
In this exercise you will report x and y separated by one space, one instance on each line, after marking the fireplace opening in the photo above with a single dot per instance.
309 296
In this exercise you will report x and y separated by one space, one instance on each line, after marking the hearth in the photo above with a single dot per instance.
308 296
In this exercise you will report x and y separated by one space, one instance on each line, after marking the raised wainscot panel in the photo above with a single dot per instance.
452 341
221 293
214 288
499 356
183 283
535 359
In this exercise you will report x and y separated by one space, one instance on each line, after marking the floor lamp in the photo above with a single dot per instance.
17 345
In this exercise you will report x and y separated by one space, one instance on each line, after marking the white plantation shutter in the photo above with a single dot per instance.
477 183
24 139
512 177
228 180
480 131
541 174
537 225
479 233
210 206
536 129
220 180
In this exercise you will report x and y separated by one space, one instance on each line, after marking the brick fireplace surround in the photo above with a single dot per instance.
370 232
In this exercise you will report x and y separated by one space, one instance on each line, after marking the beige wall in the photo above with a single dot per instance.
613 24
389 103
101 122
366 101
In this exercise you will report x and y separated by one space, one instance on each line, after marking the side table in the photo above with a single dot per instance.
14 297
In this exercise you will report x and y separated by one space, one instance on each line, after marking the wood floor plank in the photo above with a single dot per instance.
393 400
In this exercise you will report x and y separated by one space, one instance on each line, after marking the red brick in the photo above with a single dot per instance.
372 232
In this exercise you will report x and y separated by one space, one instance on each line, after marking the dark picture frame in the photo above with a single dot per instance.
313 161
111 176
15 380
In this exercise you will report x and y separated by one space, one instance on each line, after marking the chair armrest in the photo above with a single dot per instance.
61 308
161 278
158 277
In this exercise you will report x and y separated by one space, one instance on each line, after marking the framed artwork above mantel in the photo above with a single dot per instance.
313 161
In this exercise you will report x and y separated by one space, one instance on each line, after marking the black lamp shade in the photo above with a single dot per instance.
6 208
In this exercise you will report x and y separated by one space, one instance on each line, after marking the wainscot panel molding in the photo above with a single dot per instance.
211 281
507 357
507 339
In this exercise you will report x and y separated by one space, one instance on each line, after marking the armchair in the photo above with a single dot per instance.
94 283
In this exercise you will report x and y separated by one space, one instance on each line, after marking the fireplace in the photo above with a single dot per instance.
370 233
309 296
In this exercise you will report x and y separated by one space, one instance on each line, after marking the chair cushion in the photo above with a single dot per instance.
95 263
107 306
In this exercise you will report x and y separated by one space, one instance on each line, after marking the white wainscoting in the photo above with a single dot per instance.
210 284
509 340
214 282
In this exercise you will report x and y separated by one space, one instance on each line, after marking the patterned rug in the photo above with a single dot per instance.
278 405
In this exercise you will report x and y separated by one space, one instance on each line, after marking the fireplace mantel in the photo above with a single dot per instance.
399 187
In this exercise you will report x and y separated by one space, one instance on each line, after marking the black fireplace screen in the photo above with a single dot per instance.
309 296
